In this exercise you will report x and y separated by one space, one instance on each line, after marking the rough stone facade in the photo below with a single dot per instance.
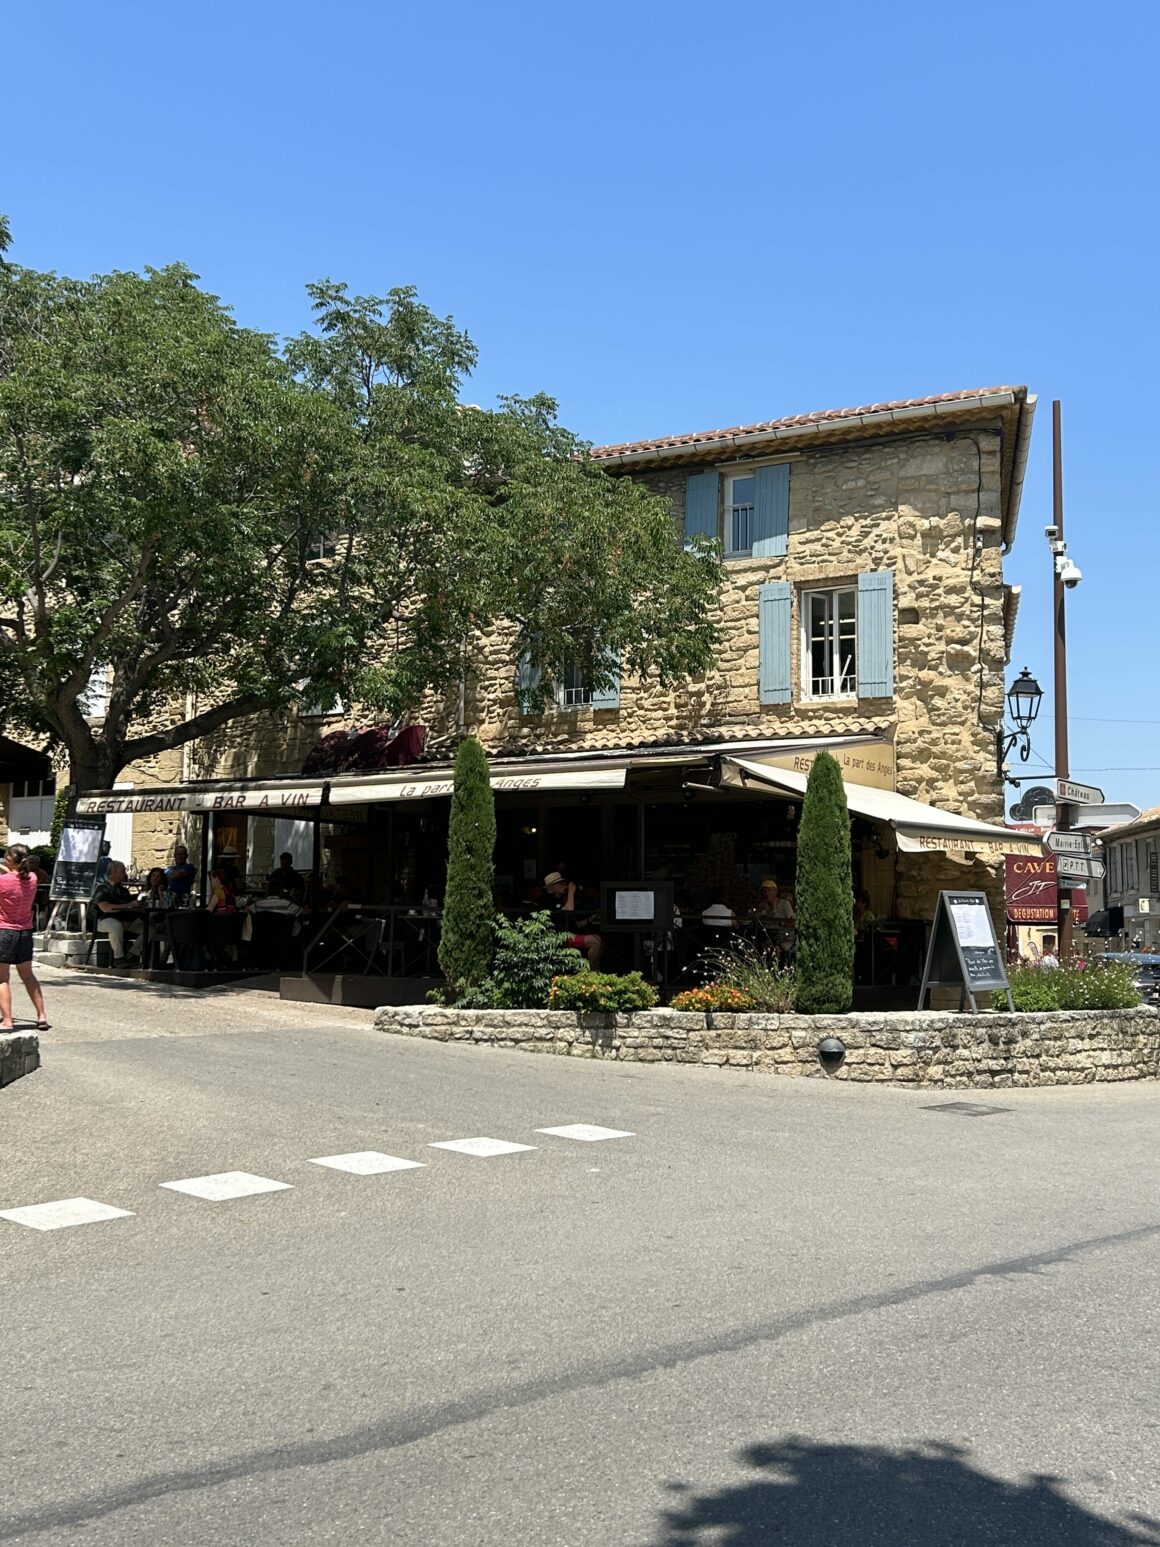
19 1055
987 1051
932 504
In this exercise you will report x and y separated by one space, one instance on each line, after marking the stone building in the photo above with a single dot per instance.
864 610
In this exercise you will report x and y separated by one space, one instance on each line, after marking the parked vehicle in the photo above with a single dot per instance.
1147 972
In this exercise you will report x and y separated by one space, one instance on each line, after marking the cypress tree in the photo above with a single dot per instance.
468 907
824 961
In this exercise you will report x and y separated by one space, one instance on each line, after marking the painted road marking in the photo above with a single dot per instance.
226 1184
589 1132
481 1146
68 1211
366 1163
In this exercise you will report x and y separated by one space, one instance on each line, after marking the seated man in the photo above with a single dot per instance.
113 903
285 881
562 901
180 876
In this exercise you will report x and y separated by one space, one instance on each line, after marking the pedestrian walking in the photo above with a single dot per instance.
18 879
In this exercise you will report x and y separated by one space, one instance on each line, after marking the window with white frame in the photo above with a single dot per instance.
574 691
322 548
829 621
319 711
30 809
740 497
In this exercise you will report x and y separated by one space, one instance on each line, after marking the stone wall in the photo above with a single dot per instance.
19 1055
986 1051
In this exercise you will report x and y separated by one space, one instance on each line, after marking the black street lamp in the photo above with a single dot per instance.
1023 700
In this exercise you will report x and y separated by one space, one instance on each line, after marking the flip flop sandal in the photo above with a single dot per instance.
43 1026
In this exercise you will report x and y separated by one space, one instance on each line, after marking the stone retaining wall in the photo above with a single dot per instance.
19 1055
991 1050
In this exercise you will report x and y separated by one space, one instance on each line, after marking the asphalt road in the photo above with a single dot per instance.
778 1312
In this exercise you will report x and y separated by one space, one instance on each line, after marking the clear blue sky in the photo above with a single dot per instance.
672 217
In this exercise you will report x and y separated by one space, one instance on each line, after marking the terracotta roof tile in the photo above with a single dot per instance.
797 421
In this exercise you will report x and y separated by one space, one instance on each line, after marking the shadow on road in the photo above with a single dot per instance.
818 1495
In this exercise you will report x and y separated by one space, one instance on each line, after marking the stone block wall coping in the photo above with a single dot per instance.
992 1049
19 1055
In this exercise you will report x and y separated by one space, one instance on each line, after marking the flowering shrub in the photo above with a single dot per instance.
754 970
602 992
712 996
1102 986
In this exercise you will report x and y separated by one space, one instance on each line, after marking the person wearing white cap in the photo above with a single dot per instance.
562 900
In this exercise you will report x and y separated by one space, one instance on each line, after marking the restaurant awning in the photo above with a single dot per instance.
919 828
415 784
261 797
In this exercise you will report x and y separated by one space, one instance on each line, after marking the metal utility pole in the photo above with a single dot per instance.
1062 770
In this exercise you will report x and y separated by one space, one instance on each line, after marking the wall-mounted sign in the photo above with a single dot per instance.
1032 892
861 762
963 951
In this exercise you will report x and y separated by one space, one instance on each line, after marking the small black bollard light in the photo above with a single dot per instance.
831 1052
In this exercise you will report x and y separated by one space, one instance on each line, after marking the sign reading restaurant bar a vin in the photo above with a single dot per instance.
963 951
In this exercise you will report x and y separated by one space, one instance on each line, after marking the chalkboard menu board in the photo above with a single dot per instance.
74 876
963 951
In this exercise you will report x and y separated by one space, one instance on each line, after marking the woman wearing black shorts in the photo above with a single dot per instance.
17 895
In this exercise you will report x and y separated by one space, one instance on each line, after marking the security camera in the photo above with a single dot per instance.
1050 532
1070 573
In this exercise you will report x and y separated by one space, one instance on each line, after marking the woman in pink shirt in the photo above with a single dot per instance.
17 894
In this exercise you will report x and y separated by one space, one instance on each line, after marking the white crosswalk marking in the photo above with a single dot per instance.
366 1163
588 1132
481 1147
62 1214
226 1184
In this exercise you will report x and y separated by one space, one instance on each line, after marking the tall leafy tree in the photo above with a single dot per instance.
465 941
824 954
218 526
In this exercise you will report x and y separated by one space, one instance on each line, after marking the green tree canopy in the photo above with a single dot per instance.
215 521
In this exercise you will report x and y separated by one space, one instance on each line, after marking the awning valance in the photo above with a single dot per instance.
258 797
919 828
414 784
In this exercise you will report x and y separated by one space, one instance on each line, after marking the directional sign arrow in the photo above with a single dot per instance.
1079 867
1078 794
1069 843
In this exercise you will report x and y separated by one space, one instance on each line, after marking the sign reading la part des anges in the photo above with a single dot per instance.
963 952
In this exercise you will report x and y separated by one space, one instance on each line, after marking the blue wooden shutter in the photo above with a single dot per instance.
773 642
609 697
701 505
876 634
771 512
527 685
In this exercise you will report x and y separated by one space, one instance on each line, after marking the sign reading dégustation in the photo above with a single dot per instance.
963 952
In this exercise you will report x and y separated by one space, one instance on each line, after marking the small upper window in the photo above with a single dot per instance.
322 548
740 497
320 711
94 701
1131 880
830 643
574 690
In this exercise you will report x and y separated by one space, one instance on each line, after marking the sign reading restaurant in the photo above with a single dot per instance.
203 800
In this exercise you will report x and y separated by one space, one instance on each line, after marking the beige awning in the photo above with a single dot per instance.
258 797
414 784
919 828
